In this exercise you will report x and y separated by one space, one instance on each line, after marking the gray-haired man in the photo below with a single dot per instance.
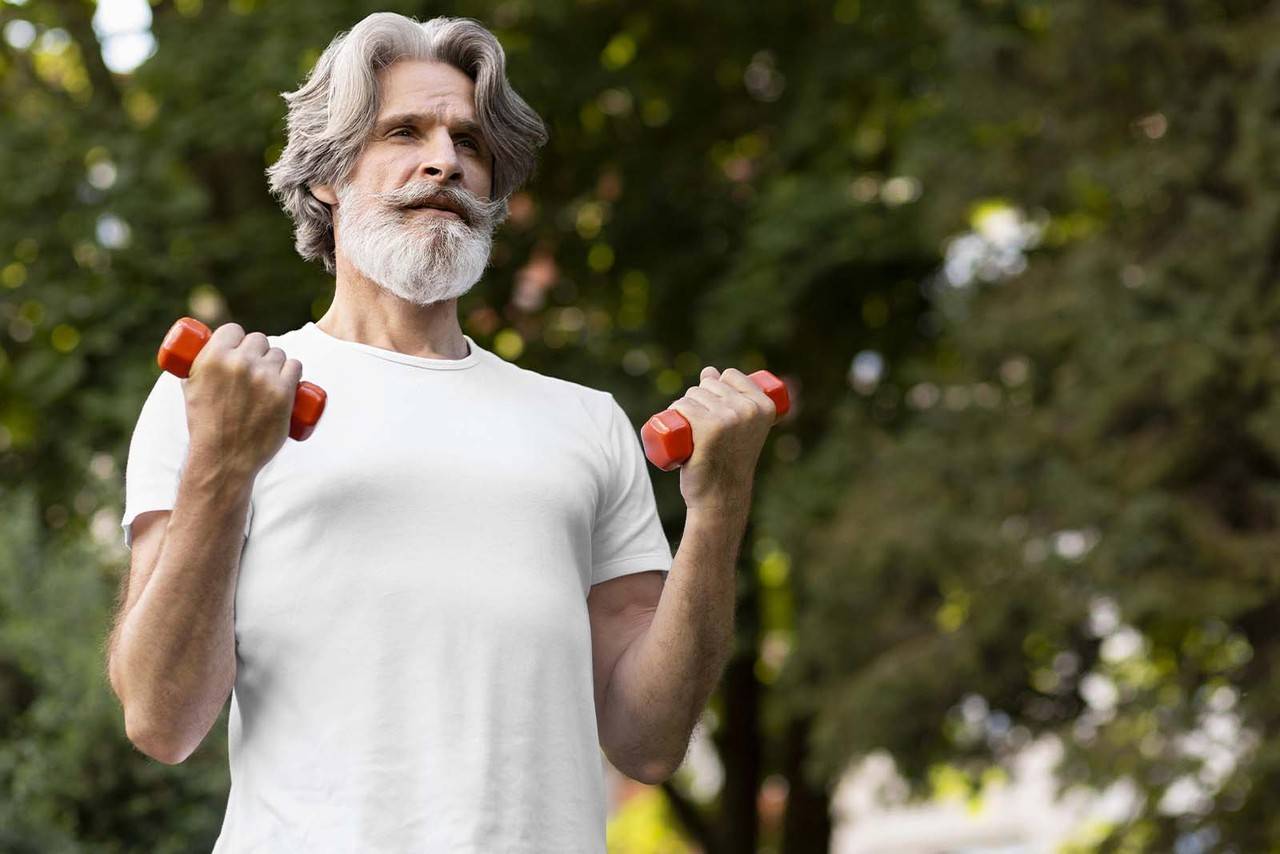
421 611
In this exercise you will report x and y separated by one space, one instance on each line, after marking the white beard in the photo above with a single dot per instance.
420 257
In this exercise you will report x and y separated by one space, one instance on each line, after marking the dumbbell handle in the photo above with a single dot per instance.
668 438
188 336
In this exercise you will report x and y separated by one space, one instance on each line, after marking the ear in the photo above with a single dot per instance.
324 193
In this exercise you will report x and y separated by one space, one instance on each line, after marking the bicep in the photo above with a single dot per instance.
620 610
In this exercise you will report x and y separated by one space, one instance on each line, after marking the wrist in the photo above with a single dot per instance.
718 514
217 472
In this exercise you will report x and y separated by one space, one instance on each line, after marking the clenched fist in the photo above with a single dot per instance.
239 396
730 417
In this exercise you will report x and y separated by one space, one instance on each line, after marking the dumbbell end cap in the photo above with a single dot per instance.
181 345
775 388
667 439
308 404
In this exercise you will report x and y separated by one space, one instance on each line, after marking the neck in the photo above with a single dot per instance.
364 312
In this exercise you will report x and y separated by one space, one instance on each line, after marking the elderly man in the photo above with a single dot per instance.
433 613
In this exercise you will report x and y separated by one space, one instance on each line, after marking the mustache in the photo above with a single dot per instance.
473 209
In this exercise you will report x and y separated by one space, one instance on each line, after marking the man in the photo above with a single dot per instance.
433 613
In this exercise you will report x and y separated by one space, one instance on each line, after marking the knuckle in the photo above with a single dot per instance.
264 380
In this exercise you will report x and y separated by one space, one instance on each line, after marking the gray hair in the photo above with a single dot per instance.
331 114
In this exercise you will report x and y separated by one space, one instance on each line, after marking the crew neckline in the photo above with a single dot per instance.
467 361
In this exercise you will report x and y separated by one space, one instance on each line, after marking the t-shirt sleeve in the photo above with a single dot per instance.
157 452
627 536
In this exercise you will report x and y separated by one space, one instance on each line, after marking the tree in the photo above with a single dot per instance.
1010 502
1063 520
680 170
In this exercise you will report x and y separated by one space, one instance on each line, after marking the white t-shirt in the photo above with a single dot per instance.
412 641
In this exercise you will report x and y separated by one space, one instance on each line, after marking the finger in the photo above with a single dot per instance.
253 344
745 403
705 397
222 340
292 371
711 380
691 400
740 382
693 411
274 356
225 337
723 409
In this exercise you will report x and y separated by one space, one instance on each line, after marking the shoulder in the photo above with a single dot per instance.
284 339
297 344
594 404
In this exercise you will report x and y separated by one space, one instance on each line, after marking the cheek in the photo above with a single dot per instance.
481 179
370 170
389 170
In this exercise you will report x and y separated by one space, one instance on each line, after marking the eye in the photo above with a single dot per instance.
471 142
397 131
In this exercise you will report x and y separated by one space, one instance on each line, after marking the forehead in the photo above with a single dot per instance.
418 86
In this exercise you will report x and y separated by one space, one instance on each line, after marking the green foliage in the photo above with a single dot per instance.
691 201
1095 436
936 551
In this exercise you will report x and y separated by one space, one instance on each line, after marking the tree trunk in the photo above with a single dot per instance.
739 734
806 825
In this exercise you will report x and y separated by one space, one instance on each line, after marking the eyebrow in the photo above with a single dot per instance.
462 125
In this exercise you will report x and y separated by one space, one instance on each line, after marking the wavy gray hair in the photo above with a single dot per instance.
331 114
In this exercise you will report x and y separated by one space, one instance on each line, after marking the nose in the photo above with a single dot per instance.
439 159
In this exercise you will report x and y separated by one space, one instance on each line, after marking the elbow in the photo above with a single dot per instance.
159 749
653 772
651 761
139 733
143 735
652 775
160 752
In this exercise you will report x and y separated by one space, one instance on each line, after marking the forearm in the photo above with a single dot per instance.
174 662
662 682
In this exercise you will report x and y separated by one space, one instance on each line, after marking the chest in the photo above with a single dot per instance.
418 506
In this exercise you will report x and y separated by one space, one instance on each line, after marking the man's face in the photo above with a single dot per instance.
425 149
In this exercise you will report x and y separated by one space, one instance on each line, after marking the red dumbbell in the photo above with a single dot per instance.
668 438
186 338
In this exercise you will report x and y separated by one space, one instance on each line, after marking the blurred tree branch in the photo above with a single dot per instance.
77 17
20 62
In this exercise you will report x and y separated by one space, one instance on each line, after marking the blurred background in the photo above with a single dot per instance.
1012 578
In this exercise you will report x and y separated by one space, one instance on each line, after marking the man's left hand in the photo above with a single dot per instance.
730 417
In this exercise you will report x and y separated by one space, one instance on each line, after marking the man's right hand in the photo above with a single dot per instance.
239 397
